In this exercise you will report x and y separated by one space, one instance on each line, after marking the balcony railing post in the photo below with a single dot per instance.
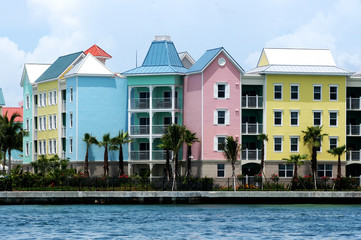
247 101
256 154
246 153
257 127
256 101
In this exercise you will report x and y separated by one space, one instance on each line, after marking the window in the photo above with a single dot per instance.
40 100
294 118
317 118
277 117
71 94
333 142
55 98
218 143
27 149
325 170
278 144
40 147
50 146
333 92
220 170
54 121
27 125
44 122
221 117
44 147
277 91
294 91
70 145
71 120
50 122
50 98
319 149
333 118
221 90
54 146
294 143
27 102
44 99
317 92
40 123
285 170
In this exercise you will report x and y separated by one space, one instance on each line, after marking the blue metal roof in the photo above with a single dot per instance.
58 67
207 57
2 100
162 57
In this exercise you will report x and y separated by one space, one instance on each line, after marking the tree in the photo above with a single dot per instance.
11 135
89 140
264 138
338 151
175 135
166 146
118 141
106 142
231 150
296 160
313 136
189 139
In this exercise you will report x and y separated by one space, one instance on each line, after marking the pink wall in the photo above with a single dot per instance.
192 107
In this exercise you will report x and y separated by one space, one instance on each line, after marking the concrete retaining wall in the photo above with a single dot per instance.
191 197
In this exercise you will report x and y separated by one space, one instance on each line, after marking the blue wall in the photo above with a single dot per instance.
27 113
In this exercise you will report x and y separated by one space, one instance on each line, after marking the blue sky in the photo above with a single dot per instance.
38 31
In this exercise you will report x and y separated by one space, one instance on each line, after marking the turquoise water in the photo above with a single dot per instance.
180 222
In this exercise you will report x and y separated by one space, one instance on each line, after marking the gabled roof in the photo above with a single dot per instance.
11 111
358 73
59 66
162 58
208 57
96 51
89 66
297 61
33 70
2 100
186 59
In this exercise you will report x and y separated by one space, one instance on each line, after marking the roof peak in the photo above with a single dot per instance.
97 51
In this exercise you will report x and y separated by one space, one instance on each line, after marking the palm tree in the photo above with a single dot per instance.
118 141
338 151
313 136
175 135
231 150
105 143
189 139
264 138
11 135
166 146
296 160
89 140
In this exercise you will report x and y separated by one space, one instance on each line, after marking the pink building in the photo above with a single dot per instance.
212 107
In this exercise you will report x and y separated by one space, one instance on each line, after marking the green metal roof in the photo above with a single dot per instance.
2 100
58 67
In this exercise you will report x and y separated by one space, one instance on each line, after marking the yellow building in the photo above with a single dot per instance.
302 88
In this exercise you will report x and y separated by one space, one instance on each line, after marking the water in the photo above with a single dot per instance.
180 222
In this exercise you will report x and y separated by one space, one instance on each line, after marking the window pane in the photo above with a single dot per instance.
221 91
278 92
317 93
294 92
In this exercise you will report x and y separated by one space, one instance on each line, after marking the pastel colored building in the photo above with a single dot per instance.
2 100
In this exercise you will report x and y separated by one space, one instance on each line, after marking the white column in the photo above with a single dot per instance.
173 104
150 122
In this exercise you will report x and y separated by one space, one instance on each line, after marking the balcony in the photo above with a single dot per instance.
252 128
353 104
35 134
35 157
63 131
63 106
139 155
161 155
139 130
139 103
353 130
252 101
36 110
159 129
353 155
162 103
251 154
63 155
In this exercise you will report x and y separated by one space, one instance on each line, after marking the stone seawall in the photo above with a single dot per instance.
191 197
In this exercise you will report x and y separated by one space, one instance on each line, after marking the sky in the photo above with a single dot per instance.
39 31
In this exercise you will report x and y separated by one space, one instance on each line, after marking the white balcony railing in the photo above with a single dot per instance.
35 110
63 131
139 155
159 129
139 103
353 130
162 103
251 154
63 106
252 101
139 130
252 128
353 155
161 155
353 103
35 134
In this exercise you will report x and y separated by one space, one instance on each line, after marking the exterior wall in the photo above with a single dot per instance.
212 74
27 114
305 105
155 80
47 111
263 60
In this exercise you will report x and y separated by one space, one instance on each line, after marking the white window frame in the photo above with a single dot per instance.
274 117
50 98
320 151
324 169
274 92
40 123
329 113
333 85
215 147
54 122
71 119
226 117
71 92
313 117
298 91
333 138
27 124
320 86
274 144
220 170
45 150
44 99
55 97
41 147
298 143
288 168
44 123
40 99
54 146
298 117
50 146
50 122
226 90
27 149
70 145
27 104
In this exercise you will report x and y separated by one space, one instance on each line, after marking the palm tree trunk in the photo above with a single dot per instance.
234 176
262 158
314 167
295 176
189 154
106 165
4 163
167 165
121 164
339 167
9 168
86 163
174 185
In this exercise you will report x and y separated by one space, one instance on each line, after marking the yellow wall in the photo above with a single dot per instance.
47 110
263 60
305 105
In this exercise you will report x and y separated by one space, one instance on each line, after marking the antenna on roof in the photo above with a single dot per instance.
136 58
